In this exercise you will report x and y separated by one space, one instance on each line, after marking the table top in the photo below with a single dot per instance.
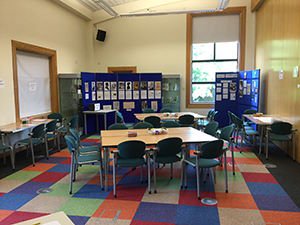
59 218
166 116
265 120
111 138
18 127
102 111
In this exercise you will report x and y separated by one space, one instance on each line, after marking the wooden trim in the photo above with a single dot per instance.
241 11
121 69
256 4
20 46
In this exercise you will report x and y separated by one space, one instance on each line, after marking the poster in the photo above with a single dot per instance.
248 89
86 96
136 86
114 95
232 97
128 105
99 95
150 85
121 89
128 86
99 86
106 86
136 95
113 86
106 107
93 96
218 90
158 94
232 87
93 86
154 105
106 95
144 105
218 97
121 95
150 94
128 95
158 85
143 94
225 96
143 85
86 86
116 105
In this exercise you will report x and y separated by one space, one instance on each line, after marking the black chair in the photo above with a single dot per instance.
154 120
142 125
186 120
118 126
211 128
170 124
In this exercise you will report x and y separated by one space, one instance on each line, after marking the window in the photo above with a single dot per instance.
207 59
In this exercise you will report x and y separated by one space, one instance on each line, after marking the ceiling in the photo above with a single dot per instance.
102 10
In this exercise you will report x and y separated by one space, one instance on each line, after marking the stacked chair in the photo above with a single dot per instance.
6 148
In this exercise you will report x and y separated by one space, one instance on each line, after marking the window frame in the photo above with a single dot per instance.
241 11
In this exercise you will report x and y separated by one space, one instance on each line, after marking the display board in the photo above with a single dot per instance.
236 92
127 93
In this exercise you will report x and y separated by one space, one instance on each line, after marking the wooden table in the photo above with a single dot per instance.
59 218
111 138
18 127
168 116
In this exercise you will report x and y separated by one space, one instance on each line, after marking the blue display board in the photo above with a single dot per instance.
127 93
236 92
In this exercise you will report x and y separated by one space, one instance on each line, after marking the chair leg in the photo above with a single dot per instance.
293 146
171 177
226 175
47 148
154 175
141 174
182 173
149 174
71 173
12 158
101 177
114 178
58 141
267 146
32 153
197 175
232 158
4 157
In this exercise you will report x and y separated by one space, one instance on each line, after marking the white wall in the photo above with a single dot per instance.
155 44
42 23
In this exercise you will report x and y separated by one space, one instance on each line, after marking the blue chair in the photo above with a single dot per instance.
129 154
226 134
36 137
211 128
6 148
78 159
51 129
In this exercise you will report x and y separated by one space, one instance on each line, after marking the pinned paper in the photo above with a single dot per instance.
86 96
99 95
106 107
106 86
157 85
136 95
116 105
93 96
121 86
154 105
121 95
144 105
218 90
86 87
128 86
218 98
136 85
232 97
106 95
93 86
151 85
114 95
128 95
150 94
143 94
128 105
99 86
113 86
158 94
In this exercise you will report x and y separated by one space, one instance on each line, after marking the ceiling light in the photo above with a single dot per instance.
107 8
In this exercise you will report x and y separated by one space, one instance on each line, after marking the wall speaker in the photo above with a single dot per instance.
101 34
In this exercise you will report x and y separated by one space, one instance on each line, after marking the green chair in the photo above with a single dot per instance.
148 110
142 125
202 123
6 148
226 135
280 132
51 129
166 110
120 119
56 116
206 158
170 124
166 153
74 123
186 120
248 112
118 126
154 120
78 159
129 154
36 137
211 128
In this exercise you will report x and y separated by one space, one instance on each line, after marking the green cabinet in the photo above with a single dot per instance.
171 92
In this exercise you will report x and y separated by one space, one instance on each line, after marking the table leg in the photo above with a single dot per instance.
116 119
105 121
261 138
106 164
85 124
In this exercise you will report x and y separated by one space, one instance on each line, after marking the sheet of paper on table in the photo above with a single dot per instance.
264 119
52 223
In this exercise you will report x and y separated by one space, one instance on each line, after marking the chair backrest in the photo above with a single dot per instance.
211 128
148 110
117 126
186 120
56 116
154 120
213 115
76 135
169 124
166 110
51 126
237 121
169 146
142 125
71 143
226 132
131 149
39 131
281 128
74 122
120 118
250 111
212 149
231 119
210 113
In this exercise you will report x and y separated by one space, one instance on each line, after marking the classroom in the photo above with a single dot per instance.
150 112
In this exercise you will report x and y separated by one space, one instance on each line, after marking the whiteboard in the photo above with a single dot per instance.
33 84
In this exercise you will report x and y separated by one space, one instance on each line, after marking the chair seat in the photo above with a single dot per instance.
4 147
130 162
89 149
167 159
129 125
35 141
51 136
87 158
251 132
62 130
205 163
280 137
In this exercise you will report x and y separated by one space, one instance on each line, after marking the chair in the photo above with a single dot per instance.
170 124
186 120
78 159
56 116
148 110
166 110
6 148
202 123
211 128
117 126
248 112
206 158
154 120
129 154
36 137
226 136
74 123
166 153
281 132
51 129
62 128
120 119
142 125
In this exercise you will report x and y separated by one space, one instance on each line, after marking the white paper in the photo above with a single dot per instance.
113 86
143 94
248 89
128 85
151 85
93 86
150 94
106 95
128 95
218 97
219 85
99 95
86 87
93 96
225 96
218 90
245 91
106 86
158 94
128 105
154 105
225 90
121 95
86 96
116 105
107 107
136 86
114 95
232 87
121 86
99 86
32 86
143 85
158 85
232 96
225 85
136 95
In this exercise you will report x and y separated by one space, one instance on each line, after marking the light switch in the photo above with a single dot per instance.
2 83
296 72
281 75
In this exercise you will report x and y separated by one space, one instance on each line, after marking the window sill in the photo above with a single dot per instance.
200 105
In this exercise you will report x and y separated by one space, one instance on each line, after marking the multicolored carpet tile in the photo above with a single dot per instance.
254 198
